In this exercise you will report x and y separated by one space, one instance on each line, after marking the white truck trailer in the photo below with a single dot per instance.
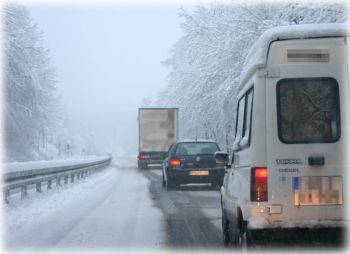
157 132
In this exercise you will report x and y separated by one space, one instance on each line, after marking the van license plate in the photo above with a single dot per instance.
199 173
318 190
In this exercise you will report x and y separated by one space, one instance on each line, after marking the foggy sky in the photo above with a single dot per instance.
108 58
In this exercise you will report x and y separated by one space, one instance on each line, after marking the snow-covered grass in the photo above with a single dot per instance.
20 214
109 210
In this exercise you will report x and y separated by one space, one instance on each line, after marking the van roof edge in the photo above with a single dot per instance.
257 56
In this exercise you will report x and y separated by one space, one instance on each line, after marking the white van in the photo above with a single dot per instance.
292 134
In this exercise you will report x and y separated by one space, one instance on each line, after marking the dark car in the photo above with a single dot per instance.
192 162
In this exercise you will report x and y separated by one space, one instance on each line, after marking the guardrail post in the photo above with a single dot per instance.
54 175
49 184
6 195
38 187
24 191
58 181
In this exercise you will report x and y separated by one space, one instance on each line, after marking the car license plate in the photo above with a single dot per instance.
199 173
318 190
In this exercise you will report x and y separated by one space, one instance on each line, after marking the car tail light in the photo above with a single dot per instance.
143 156
258 182
174 162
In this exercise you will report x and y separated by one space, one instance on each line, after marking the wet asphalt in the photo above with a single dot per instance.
191 213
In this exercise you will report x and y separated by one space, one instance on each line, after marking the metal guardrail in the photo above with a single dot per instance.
23 179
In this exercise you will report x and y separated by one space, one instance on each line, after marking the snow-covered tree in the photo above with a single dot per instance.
36 126
30 102
206 62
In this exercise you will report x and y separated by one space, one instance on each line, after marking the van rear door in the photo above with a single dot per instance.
307 108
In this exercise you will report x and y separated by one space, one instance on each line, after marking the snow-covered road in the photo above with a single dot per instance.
110 210
119 208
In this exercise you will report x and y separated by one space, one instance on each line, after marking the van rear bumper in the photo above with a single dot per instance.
263 223
277 237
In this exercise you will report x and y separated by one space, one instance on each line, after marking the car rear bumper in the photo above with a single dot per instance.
183 176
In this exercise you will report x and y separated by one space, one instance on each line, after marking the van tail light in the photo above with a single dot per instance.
258 181
143 156
174 162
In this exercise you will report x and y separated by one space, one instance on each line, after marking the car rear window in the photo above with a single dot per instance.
308 110
196 148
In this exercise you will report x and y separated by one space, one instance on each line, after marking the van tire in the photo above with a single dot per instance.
243 238
231 233
225 230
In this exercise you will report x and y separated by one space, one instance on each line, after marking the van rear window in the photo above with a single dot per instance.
308 110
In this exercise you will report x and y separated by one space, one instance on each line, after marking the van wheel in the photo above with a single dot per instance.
231 237
225 230
243 239
231 233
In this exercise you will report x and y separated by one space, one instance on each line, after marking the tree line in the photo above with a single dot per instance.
36 125
206 62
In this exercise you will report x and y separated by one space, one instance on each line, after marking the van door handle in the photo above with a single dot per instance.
316 160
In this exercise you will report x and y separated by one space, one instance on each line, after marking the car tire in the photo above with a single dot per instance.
163 181
169 185
216 185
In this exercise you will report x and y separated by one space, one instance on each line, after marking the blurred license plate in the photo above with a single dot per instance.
318 190
199 173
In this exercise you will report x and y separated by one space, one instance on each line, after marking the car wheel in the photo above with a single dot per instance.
169 185
163 180
216 185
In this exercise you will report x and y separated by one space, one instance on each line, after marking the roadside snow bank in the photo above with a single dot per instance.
21 214
31 165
